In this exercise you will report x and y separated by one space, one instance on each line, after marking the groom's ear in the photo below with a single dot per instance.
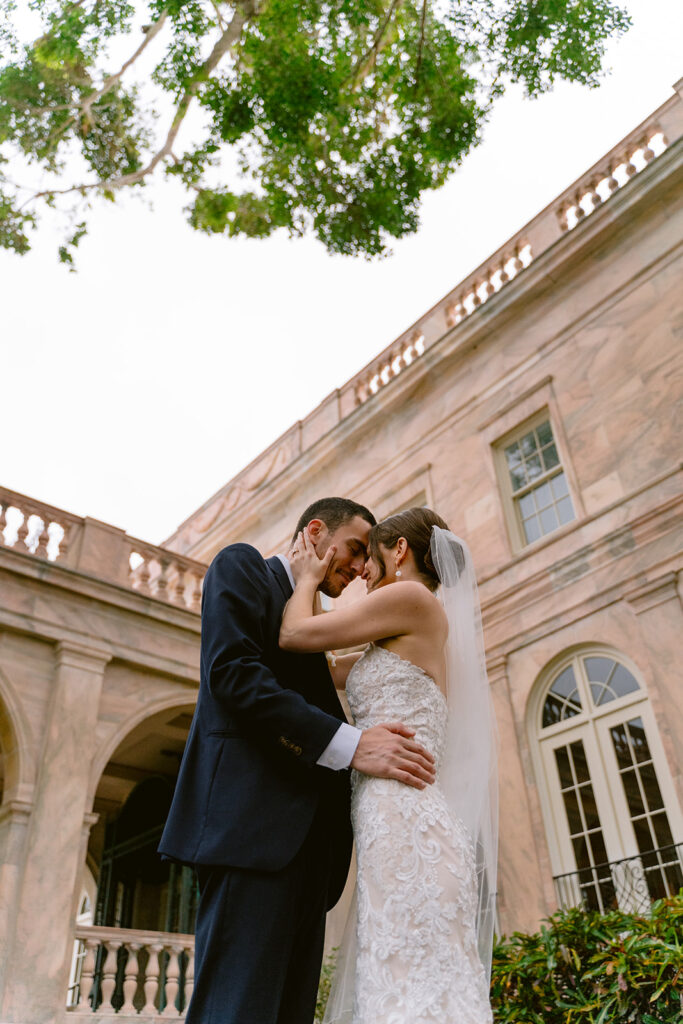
317 530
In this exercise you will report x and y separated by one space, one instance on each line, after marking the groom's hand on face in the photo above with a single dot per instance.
390 752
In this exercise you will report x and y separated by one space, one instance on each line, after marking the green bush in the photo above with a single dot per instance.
583 967
589 968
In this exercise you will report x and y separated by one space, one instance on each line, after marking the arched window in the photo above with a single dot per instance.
612 817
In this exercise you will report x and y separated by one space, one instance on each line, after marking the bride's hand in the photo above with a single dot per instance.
304 560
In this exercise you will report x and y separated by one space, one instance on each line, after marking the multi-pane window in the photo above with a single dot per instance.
540 493
646 808
619 834
585 829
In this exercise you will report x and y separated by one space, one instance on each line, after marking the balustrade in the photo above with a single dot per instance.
147 976
165 575
34 528
614 171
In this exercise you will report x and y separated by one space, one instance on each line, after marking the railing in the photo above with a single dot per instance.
584 197
34 528
132 974
631 884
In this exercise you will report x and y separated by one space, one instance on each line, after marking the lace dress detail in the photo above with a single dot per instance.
416 958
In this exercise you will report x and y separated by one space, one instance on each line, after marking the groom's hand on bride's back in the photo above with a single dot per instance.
389 751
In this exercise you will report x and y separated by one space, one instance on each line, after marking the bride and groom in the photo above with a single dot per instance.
264 801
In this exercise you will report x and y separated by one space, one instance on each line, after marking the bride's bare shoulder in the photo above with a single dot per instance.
411 593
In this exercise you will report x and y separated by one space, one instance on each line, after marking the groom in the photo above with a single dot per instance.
261 806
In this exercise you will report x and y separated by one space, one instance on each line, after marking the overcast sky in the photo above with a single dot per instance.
134 389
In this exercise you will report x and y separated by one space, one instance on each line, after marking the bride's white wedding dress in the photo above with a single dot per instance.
416 959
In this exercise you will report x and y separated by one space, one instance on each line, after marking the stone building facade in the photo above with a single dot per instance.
534 408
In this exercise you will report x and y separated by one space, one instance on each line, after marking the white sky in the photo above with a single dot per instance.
134 389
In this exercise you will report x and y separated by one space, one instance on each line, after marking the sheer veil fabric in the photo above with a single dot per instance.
470 770
469 773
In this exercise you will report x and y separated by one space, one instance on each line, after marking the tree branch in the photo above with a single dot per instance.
226 41
111 80
367 62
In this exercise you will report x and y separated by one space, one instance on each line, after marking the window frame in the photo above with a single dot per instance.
593 726
510 498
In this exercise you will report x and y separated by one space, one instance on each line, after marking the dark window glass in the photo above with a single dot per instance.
622 747
660 824
632 791
651 788
545 434
598 847
580 763
571 804
563 767
581 852
590 810
639 740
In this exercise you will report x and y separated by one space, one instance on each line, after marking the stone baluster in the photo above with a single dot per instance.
648 153
593 193
179 586
197 592
162 579
612 183
43 539
109 974
563 216
85 984
130 981
189 977
22 532
143 575
172 980
579 211
65 542
3 523
151 986
629 167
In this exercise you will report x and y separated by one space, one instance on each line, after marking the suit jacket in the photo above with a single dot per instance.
249 786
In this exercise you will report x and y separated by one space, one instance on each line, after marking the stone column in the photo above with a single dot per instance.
38 962
521 902
14 819
657 604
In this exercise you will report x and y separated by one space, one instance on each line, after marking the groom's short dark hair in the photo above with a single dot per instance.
334 512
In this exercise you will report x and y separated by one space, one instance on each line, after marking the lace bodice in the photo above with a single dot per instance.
415 958
383 687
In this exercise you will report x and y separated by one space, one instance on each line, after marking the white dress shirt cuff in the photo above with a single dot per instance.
339 751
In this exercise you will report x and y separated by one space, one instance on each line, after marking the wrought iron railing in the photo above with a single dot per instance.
631 884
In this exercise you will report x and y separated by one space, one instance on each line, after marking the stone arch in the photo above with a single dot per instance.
102 757
132 784
16 744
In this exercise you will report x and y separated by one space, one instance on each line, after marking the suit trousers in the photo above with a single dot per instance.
259 939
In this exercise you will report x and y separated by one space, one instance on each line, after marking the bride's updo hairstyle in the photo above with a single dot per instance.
415 525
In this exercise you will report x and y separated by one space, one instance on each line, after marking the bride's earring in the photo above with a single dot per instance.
398 572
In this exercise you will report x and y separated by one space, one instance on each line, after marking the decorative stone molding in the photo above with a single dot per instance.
654 592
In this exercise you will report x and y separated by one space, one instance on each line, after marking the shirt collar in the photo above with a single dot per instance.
288 569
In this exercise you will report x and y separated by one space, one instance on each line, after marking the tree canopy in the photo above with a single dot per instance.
323 116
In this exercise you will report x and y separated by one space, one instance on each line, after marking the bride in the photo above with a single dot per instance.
417 948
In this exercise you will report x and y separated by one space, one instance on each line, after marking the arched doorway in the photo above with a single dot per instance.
613 822
136 889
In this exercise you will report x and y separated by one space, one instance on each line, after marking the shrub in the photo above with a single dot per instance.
583 967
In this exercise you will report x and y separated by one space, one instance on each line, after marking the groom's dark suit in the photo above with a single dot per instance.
267 828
